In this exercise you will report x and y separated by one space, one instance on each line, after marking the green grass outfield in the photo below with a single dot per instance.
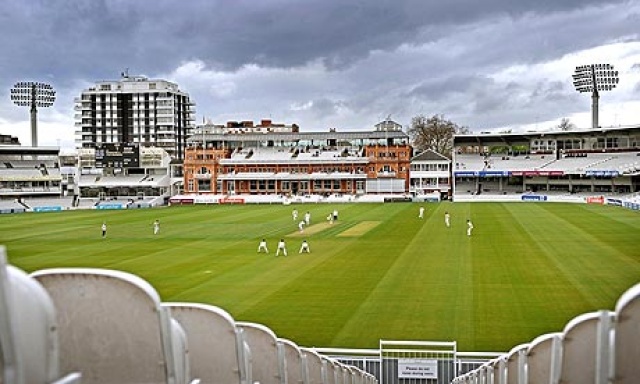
377 273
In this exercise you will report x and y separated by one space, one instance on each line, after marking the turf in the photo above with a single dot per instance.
527 270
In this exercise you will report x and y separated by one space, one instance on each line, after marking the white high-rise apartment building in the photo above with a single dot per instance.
135 109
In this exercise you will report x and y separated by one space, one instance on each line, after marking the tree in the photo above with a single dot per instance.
565 125
435 133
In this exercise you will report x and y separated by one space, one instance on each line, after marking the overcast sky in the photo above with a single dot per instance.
345 64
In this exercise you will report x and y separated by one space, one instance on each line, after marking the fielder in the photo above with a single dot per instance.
281 247
301 226
469 227
447 219
304 247
156 227
294 214
307 218
263 246
421 213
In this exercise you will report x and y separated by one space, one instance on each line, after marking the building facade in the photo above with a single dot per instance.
430 174
594 161
137 110
278 159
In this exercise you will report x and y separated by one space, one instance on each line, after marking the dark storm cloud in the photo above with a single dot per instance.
321 63
99 37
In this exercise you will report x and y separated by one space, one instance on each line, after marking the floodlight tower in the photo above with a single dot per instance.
33 94
594 78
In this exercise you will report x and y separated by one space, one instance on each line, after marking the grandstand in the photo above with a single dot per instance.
274 162
123 177
29 172
579 164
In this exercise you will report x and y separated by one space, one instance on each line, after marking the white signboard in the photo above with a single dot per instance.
417 369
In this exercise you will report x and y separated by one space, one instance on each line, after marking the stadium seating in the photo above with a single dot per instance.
293 361
330 370
626 369
314 372
268 363
29 349
515 364
585 348
105 326
113 328
217 352
598 347
543 358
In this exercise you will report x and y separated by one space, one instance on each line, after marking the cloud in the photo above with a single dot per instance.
327 63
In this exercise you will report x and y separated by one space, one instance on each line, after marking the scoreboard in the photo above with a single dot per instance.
118 155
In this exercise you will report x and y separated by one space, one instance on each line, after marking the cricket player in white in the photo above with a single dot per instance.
263 246
304 247
301 225
156 227
447 219
294 214
469 227
104 230
421 214
281 247
307 218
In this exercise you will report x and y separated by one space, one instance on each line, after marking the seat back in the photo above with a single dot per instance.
627 337
329 369
294 367
28 329
267 365
215 350
112 327
543 358
313 367
586 348
516 362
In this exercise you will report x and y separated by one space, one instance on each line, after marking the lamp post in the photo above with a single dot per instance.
33 94
595 78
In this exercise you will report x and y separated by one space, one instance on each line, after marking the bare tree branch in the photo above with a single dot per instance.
435 133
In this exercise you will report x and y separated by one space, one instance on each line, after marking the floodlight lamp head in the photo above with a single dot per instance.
595 77
34 94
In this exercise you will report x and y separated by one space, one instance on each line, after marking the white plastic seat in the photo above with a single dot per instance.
499 369
516 362
113 328
215 344
586 349
543 358
293 362
313 367
627 337
330 369
267 365
28 331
